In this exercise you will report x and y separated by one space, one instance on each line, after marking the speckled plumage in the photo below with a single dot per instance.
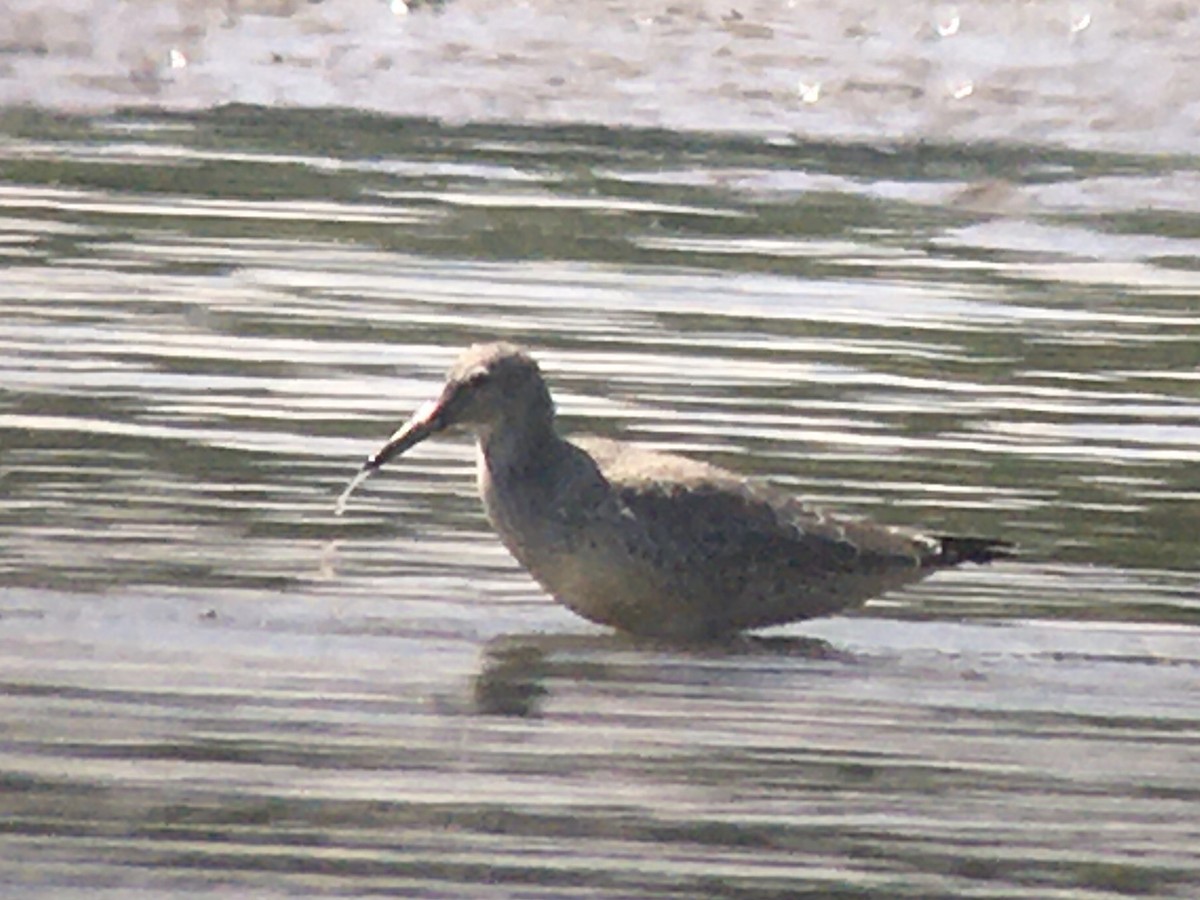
654 543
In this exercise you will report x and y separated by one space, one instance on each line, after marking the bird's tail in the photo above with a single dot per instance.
953 551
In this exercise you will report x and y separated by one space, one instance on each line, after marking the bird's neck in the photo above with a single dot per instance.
515 447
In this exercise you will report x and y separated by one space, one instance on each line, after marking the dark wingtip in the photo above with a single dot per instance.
954 550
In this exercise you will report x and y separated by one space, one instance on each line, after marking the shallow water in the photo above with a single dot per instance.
210 684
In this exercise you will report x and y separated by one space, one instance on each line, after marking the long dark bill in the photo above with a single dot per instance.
425 421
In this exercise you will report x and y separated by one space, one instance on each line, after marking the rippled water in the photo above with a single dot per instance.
210 684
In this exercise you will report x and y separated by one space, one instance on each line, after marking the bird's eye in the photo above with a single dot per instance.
478 378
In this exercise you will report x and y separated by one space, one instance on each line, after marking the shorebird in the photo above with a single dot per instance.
653 543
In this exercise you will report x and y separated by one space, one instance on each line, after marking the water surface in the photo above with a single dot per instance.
211 685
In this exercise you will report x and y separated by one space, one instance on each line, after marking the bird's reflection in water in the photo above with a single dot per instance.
511 680
516 669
